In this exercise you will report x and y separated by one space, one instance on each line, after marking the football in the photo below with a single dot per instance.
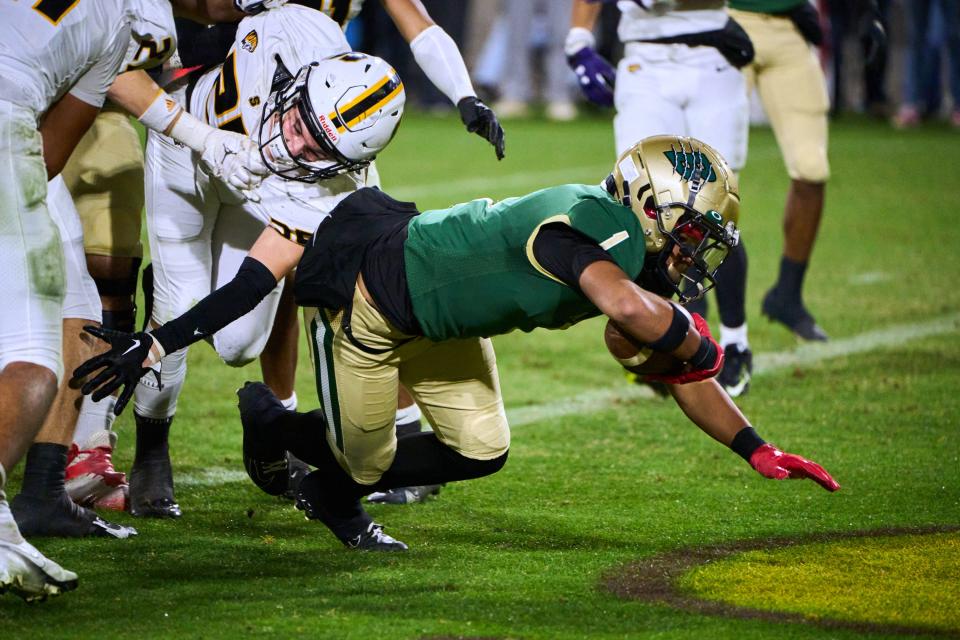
636 358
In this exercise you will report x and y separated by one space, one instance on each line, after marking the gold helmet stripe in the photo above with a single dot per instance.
368 102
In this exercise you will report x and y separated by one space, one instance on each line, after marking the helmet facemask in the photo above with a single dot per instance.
274 147
696 247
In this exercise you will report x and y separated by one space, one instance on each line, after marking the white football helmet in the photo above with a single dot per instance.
351 104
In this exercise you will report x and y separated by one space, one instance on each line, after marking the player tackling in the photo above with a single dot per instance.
410 297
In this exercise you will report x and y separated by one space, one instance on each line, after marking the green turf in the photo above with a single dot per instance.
520 554
903 580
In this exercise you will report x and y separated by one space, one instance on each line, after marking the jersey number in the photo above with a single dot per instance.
226 97
54 10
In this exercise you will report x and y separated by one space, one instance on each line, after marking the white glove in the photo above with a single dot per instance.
234 158
251 7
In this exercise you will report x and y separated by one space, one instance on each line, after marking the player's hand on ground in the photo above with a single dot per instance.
235 159
251 7
770 462
481 120
128 360
711 365
595 75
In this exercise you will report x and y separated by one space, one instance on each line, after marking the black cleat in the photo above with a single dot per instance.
296 472
264 457
737 370
151 488
356 533
61 517
405 495
374 539
794 316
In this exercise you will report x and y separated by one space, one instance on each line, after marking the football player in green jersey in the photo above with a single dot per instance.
403 296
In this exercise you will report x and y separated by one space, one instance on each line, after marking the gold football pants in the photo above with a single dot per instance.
454 382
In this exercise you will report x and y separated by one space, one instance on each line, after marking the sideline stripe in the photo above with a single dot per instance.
764 363
597 399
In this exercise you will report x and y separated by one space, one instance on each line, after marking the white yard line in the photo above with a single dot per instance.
479 186
598 399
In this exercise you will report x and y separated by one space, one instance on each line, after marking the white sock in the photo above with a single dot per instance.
94 417
408 414
290 403
734 335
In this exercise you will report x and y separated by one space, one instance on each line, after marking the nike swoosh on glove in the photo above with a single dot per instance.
122 365
234 159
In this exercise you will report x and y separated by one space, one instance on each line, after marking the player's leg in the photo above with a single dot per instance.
30 364
180 221
794 94
718 114
648 95
43 506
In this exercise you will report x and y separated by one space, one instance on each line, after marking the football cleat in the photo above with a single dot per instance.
793 315
297 471
264 456
61 517
737 370
357 533
374 539
91 480
25 571
151 488
405 495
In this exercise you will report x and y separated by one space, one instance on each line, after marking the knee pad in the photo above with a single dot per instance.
236 348
158 404
125 287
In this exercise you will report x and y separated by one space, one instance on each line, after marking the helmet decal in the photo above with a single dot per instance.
367 103
686 163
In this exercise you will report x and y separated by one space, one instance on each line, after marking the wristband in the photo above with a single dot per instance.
437 54
746 442
190 132
676 333
161 114
578 38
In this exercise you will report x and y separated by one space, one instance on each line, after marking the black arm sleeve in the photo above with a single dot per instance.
565 252
231 301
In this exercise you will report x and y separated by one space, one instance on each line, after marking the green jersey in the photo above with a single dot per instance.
471 269
765 6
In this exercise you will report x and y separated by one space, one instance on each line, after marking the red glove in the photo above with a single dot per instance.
696 375
770 462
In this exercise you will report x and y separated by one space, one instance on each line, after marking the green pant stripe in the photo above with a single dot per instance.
326 374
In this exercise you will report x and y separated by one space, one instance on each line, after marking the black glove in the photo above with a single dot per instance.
123 362
481 120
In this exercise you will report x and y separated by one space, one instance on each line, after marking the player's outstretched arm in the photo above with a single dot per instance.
439 57
595 74
710 408
230 156
133 355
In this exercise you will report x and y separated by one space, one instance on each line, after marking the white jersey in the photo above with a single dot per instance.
233 96
668 19
50 48
153 35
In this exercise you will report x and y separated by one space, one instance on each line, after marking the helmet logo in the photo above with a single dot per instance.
250 41
328 128
686 164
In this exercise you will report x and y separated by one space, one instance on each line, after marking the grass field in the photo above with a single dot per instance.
599 476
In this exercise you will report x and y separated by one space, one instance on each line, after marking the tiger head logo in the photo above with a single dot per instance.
250 41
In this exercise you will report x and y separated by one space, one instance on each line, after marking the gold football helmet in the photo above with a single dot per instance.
687 201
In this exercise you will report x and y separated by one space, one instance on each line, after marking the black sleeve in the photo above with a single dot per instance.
231 301
565 252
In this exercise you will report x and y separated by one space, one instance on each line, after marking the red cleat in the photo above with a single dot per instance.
91 480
